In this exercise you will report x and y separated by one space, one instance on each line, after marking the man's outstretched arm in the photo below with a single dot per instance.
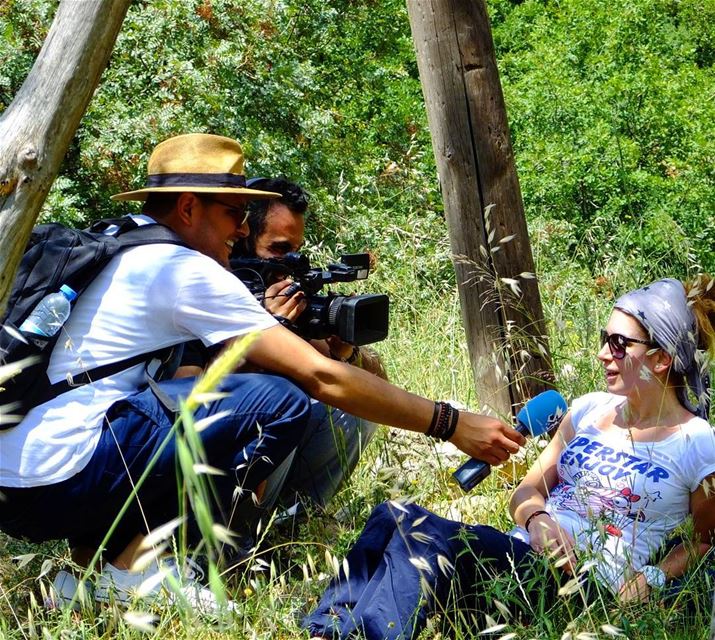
367 396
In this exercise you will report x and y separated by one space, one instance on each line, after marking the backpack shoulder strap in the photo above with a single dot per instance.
130 234
122 224
149 234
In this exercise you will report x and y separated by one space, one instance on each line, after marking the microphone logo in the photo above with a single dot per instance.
554 419
539 415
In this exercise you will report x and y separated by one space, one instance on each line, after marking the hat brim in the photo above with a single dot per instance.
141 194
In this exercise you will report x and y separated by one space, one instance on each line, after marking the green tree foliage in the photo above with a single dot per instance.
324 92
611 111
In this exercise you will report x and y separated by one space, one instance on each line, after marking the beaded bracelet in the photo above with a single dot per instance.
435 416
444 421
438 417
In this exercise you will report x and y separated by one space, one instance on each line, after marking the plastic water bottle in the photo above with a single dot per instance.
47 318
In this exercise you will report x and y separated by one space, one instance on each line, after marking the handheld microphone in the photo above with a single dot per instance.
539 415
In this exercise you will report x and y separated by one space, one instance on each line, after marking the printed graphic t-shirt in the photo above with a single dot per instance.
619 499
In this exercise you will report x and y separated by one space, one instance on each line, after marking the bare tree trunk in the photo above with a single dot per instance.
500 300
37 127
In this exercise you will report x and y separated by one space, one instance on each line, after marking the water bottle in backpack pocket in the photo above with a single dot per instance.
47 318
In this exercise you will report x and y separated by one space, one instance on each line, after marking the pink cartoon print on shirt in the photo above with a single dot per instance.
600 484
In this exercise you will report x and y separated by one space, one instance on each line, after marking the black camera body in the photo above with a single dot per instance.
356 320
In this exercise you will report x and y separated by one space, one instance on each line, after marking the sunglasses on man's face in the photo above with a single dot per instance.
238 212
617 343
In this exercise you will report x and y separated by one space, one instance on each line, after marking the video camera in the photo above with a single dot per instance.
356 320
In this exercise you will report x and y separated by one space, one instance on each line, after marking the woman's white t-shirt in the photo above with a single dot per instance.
146 298
619 499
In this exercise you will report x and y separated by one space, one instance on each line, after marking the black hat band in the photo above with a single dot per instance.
196 180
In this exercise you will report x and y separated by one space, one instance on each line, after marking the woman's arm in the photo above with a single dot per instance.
702 506
531 494
529 499
684 555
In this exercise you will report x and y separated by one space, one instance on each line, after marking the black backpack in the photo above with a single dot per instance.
57 255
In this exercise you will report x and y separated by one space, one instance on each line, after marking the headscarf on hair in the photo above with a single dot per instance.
663 310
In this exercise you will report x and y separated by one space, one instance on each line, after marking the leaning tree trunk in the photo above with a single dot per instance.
37 127
500 299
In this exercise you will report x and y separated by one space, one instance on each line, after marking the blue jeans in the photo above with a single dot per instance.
325 457
315 471
396 578
265 418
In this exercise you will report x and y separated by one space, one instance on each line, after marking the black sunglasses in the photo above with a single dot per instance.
617 343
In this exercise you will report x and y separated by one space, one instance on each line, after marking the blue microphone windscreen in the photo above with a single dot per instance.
542 413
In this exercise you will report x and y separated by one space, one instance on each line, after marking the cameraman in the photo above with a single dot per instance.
334 440
278 228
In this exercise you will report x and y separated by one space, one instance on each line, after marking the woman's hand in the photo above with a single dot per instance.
634 590
547 537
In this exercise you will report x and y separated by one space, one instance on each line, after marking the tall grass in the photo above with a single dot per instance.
283 578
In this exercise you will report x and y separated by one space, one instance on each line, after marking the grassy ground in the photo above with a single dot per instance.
425 354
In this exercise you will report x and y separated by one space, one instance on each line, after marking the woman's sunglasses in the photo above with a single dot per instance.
617 343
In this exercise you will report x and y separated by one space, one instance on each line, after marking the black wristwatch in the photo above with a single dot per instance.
351 359
354 355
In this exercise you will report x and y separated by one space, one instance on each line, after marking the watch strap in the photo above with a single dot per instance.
654 576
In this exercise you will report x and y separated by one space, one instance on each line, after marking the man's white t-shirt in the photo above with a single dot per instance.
146 298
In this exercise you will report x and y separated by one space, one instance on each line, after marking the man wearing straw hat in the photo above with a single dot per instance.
82 452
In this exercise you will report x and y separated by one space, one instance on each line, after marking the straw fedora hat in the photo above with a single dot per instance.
198 163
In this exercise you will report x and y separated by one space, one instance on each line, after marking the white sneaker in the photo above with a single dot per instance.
163 582
63 592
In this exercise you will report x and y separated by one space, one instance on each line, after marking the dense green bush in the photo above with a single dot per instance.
324 92
611 113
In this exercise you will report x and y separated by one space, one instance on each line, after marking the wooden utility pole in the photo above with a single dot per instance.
37 127
500 300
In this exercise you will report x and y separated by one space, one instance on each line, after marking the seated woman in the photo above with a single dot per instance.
625 468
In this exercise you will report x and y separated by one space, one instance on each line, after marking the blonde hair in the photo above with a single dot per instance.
701 298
